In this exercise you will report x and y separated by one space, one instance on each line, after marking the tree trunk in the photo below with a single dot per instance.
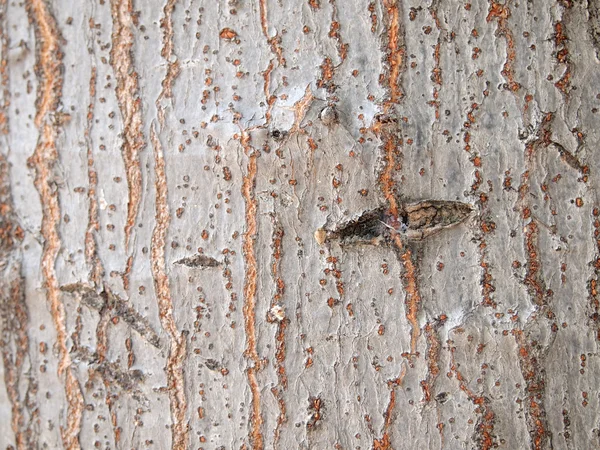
299 224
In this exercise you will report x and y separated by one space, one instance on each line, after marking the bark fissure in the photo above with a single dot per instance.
177 345
43 161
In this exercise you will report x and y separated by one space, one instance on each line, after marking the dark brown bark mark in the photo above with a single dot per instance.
177 347
49 68
199 260
105 302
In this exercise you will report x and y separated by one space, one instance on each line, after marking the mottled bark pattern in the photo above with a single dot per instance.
314 224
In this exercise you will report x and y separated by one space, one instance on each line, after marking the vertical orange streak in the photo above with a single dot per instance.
130 105
177 350
433 354
395 62
250 281
395 58
413 297
384 443
277 244
45 156
501 12
91 246
167 52
386 179
485 424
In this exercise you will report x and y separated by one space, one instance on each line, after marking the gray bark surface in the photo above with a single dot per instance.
299 224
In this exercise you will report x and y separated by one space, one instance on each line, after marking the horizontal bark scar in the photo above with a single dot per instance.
414 221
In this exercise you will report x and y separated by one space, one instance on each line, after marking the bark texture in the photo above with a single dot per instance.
314 224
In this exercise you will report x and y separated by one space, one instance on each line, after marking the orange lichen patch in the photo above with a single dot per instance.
529 363
436 73
228 34
560 36
396 52
282 418
327 70
562 56
275 44
565 82
501 13
532 277
373 17
432 356
487 287
314 4
315 408
334 33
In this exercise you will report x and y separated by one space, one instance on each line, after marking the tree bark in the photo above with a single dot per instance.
299 224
